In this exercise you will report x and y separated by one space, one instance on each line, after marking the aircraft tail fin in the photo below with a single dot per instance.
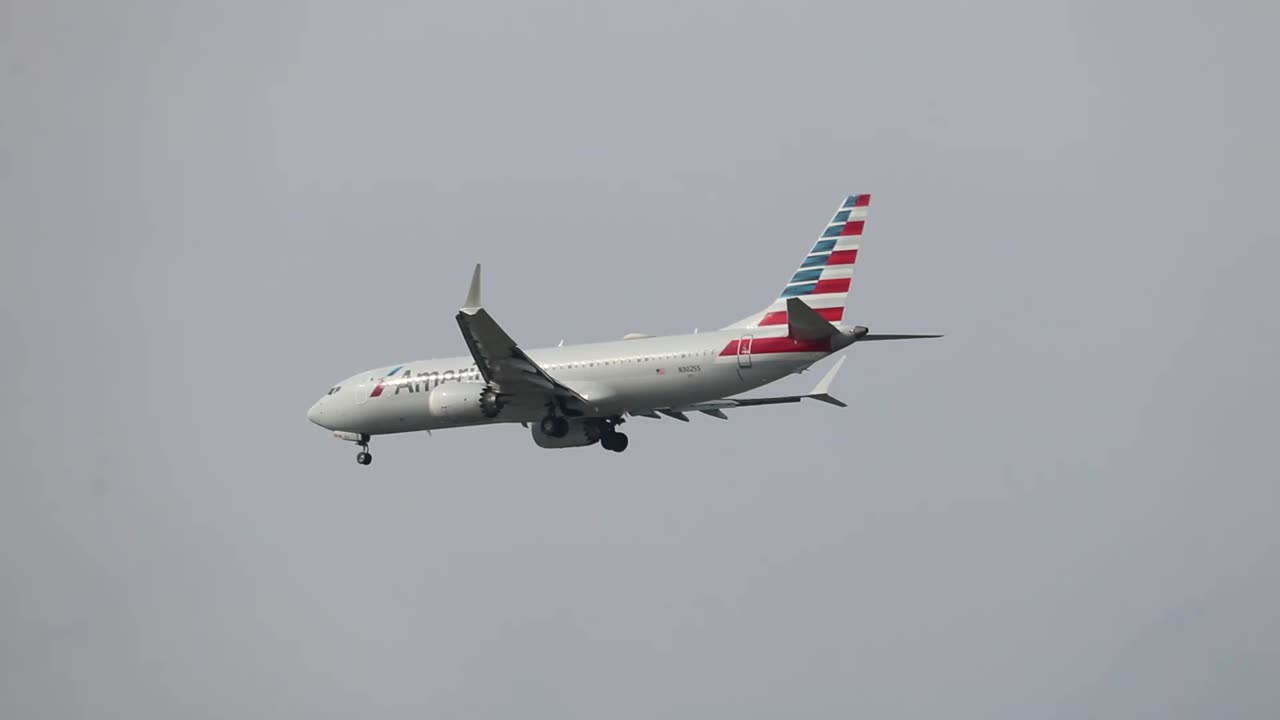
823 278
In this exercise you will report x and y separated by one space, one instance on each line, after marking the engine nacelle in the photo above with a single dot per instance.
581 432
463 401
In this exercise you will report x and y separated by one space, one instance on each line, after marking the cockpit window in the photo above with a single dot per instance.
334 389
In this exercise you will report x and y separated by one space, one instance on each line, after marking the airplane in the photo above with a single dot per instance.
579 395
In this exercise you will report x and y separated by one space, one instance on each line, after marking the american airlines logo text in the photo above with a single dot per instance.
423 381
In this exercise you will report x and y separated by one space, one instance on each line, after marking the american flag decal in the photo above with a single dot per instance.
661 371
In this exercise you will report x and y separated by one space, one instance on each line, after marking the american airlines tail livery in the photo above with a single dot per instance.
578 395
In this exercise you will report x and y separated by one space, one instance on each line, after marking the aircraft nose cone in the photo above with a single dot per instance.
316 413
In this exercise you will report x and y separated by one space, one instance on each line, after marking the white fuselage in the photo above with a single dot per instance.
634 375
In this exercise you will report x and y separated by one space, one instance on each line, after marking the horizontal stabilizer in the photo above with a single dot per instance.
804 323
868 338
821 390
716 408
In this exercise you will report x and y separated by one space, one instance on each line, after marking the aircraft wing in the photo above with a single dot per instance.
499 359
716 408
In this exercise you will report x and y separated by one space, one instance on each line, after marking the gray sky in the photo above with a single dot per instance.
210 212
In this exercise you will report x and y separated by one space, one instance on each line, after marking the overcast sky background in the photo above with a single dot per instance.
1067 508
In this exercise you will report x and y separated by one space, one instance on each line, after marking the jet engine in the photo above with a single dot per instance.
464 401
582 431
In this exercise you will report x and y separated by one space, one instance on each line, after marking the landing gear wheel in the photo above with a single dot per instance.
554 426
614 441
364 458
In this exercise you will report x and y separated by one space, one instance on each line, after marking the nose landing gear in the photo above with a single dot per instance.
364 457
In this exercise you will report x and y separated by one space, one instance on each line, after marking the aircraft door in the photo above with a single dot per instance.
744 351
363 388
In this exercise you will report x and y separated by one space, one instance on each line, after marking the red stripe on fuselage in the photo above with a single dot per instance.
771 345
779 317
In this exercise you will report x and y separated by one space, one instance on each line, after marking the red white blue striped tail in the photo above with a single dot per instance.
823 278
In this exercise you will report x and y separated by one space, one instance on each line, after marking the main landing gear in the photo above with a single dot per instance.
557 426
614 441
611 439
364 457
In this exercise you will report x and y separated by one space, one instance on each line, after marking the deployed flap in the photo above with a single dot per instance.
804 323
